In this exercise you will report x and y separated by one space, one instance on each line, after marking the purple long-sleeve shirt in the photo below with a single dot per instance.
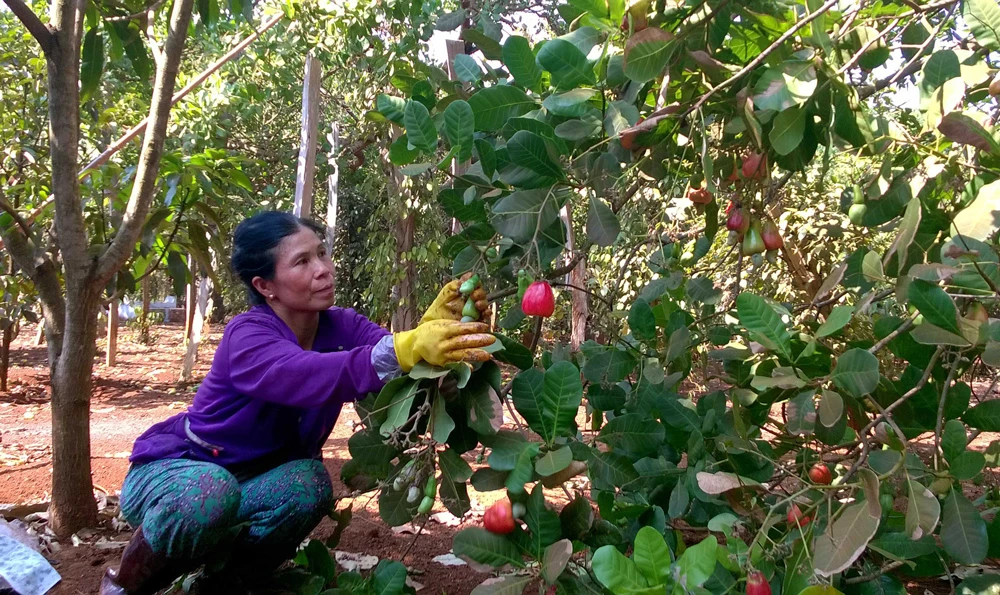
266 400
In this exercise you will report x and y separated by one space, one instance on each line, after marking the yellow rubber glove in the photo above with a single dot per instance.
449 303
441 342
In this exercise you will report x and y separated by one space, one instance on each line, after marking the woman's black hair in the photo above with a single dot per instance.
255 246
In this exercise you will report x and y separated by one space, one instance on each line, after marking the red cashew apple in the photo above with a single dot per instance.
538 300
757 584
797 518
772 237
739 221
820 474
755 166
700 196
499 518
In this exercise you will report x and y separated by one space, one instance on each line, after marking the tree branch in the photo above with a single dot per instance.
32 23
152 147
763 55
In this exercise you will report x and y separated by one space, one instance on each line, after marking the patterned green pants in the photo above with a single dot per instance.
189 509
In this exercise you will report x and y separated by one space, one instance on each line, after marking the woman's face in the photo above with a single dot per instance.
303 274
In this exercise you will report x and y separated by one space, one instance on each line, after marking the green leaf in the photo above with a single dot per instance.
92 64
521 214
617 573
561 397
844 540
922 510
609 366
511 584
646 54
490 47
373 456
514 353
610 471
602 223
389 578
983 19
460 124
904 548
763 322
781 87
985 416
981 219
831 408
400 152
907 231
484 547
443 423
485 409
605 398
568 65
963 530
554 461
953 439
652 556
856 372
787 130
838 319
543 524
394 509
578 130
419 127
571 104
642 320
555 559
467 69
391 107
871 267
450 21
520 61
698 561
454 466
967 465
320 561
399 408
935 305
493 106
531 151
633 433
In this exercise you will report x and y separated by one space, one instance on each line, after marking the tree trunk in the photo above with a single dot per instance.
73 506
580 308
8 337
405 317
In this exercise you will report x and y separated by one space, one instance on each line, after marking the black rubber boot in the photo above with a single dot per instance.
142 571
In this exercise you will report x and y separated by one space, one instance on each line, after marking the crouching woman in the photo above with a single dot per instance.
241 470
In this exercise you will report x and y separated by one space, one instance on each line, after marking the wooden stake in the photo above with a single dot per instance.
307 146
111 355
197 326
454 48
332 183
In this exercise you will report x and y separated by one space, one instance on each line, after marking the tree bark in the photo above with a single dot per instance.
8 337
580 307
405 317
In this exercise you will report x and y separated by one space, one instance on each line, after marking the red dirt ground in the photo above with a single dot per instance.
144 389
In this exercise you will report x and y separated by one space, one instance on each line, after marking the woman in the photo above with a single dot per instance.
240 471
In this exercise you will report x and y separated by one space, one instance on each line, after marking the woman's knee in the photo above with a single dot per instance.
314 475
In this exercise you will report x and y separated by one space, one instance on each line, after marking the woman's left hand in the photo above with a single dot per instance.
449 302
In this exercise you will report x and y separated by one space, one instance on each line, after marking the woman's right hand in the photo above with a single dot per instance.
441 342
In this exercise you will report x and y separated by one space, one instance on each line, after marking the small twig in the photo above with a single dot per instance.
857 580
415 537
762 56
907 325
940 412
